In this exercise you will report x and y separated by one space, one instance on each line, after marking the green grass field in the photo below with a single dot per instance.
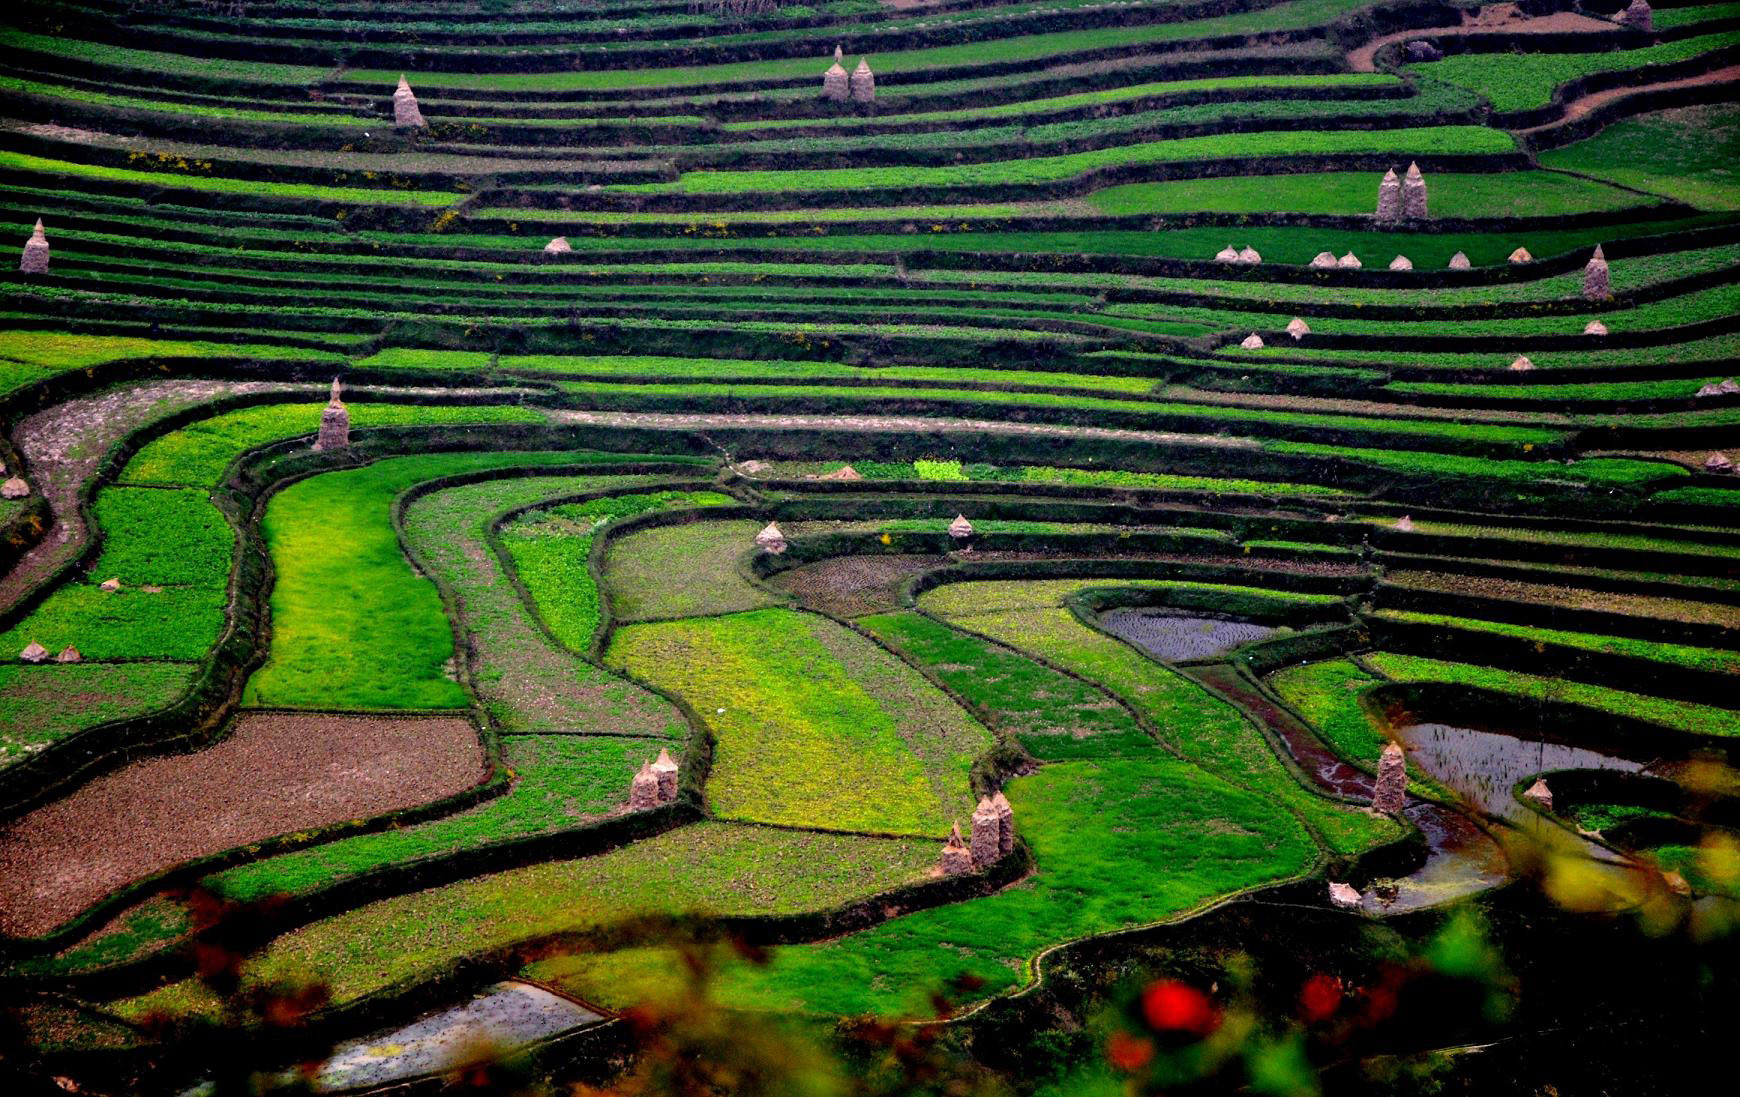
816 726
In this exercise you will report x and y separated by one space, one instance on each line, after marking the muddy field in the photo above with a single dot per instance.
1176 637
852 586
275 774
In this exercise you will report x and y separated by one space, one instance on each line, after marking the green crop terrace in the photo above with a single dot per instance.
389 480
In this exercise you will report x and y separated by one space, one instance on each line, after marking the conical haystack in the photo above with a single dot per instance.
33 653
665 769
863 82
558 246
1710 390
1298 328
110 585
1414 206
1594 327
1391 793
771 539
960 529
844 472
1521 255
1522 364
835 85
1389 202
35 257
16 487
957 859
1401 262
405 109
1729 386
1228 254
1597 282
1540 793
1005 822
1350 261
69 654
1459 261
334 423
1250 255
1638 16
1253 341
1405 524
1718 462
643 790
1323 260
1345 897
987 841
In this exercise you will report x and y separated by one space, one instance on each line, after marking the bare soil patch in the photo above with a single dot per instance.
1547 594
1489 21
275 774
884 423
63 445
852 586
1584 106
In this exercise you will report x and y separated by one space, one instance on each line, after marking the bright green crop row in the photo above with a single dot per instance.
1527 80
314 192
1423 141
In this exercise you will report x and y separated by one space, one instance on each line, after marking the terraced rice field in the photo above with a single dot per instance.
741 473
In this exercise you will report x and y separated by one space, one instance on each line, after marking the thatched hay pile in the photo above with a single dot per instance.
35 257
863 82
1459 261
558 246
1298 328
1389 204
33 653
1391 793
771 539
334 424
957 859
405 109
1540 793
1594 327
1350 261
1414 205
1521 255
1638 16
1253 341
1323 260
1401 262
1718 462
665 769
16 487
1597 284
835 85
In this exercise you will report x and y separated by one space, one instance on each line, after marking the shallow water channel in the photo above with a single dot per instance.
504 1017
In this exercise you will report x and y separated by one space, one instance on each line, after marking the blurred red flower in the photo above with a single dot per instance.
1319 998
1129 1053
1170 1004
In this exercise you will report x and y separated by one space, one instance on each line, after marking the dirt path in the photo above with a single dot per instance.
885 423
276 774
1364 59
1588 104
63 445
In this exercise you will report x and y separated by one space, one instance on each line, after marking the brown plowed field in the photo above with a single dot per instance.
275 774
